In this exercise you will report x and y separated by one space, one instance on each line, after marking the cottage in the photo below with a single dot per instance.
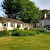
45 22
10 24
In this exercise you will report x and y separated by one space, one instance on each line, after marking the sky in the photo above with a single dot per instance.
42 4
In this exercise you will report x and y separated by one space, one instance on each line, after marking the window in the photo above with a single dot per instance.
12 24
47 26
22 25
7 24
4 24
18 25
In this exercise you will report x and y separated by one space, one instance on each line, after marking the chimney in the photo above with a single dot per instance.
45 16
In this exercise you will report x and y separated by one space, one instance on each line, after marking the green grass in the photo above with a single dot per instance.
38 42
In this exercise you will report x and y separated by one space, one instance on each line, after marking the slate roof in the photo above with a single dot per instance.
13 20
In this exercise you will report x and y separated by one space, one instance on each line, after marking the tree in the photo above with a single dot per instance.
1 20
30 12
24 9
11 8
45 11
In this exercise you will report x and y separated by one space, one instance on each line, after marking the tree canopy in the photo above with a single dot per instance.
23 9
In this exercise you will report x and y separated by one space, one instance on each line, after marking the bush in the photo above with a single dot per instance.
41 30
47 33
4 33
24 33
19 32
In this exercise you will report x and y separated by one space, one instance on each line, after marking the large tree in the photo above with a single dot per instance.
11 8
24 9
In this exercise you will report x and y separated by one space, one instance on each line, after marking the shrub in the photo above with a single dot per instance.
47 33
41 30
4 33
24 33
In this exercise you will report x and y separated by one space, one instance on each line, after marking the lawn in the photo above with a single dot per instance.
37 42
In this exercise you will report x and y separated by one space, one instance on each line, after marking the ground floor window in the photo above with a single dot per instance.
47 26
12 24
18 25
5 24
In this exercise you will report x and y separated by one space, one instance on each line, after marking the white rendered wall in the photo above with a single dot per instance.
21 26
0 26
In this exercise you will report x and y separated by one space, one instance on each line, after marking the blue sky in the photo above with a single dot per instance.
1 12
42 4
